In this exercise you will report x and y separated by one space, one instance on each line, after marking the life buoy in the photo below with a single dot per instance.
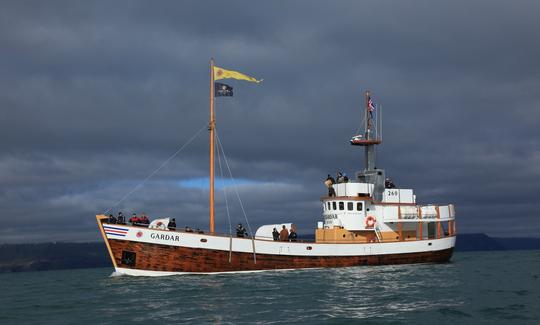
370 222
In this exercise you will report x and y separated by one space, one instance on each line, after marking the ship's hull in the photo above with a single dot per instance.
171 260
141 251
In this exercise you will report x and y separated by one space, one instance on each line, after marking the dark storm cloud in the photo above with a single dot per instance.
94 96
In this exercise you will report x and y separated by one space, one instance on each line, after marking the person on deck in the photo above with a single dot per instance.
112 219
144 221
388 183
329 182
172 224
121 220
241 231
284 234
339 177
275 234
292 235
134 220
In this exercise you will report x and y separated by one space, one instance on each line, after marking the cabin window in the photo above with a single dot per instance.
328 205
359 206
341 206
334 205
350 206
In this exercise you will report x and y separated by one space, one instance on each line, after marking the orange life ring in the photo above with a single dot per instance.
370 222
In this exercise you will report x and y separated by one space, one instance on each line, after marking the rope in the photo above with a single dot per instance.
156 170
238 196
226 205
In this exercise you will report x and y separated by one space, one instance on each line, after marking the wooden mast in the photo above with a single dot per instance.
211 127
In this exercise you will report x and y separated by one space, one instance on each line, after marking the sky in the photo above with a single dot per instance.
96 95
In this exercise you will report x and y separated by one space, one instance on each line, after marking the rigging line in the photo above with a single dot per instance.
234 181
157 169
363 122
224 191
226 205
239 199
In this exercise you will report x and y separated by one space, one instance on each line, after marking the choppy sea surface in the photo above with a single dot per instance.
478 287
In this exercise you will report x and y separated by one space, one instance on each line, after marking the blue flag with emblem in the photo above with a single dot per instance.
221 89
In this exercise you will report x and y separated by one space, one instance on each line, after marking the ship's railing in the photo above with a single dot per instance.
442 217
201 232
417 213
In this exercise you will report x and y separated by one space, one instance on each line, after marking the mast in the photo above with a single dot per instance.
371 137
211 127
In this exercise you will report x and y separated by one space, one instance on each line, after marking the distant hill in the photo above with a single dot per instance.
477 242
54 256
482 242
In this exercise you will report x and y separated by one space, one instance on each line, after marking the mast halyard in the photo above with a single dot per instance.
211 127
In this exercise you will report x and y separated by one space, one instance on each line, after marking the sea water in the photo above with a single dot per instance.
478 287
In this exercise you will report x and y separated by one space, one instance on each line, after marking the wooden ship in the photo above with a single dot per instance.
365 221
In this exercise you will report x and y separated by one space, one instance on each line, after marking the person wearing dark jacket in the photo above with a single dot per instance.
292 235
275 234
241 231
121 220
172 224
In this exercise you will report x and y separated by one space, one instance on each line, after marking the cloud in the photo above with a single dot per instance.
95 96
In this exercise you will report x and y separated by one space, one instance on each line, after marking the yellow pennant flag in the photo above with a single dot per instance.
220 73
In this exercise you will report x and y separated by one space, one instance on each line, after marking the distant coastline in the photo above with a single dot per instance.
62 255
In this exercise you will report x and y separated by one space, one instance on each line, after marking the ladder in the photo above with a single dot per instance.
378 233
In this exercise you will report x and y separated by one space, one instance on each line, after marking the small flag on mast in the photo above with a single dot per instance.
371 104
220 73
222 90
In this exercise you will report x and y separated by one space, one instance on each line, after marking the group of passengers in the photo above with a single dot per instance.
330 181
342 178
143 221
121 220
284 234
140 221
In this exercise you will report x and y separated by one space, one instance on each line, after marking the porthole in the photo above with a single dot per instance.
309 248
203 240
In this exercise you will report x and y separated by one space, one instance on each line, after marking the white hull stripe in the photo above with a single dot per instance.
139 272
270 247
